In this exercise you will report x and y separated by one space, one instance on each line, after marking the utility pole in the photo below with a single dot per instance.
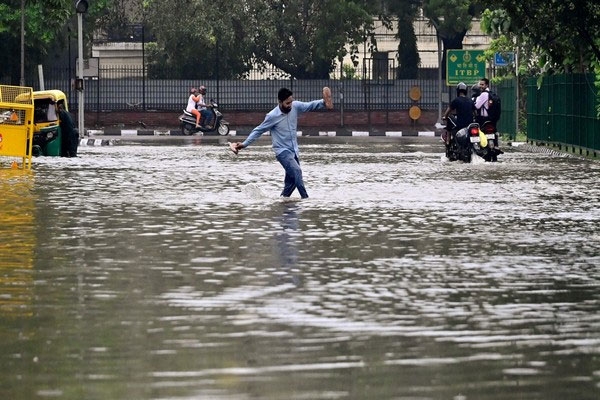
22 82
81 8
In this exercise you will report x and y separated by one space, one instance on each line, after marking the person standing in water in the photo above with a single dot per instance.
282 122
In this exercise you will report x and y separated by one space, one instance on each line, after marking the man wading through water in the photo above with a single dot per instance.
282 122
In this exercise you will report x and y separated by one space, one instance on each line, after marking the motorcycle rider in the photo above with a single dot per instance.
481 101
191 106
481 98
462 107
203 107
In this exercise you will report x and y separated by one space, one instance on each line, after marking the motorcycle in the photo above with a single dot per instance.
461 144
217 123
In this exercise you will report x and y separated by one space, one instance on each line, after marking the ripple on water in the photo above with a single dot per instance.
183 264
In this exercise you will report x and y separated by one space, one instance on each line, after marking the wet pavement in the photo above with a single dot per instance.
171 269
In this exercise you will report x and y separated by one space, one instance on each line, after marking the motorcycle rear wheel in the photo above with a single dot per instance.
223 129
187 129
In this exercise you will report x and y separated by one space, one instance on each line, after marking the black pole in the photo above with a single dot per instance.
143 70
217 65
70 73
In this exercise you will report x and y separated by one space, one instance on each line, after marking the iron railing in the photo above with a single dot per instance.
563 111
128 88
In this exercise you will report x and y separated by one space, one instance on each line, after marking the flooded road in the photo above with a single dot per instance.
172 270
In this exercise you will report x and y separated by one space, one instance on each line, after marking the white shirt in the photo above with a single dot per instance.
482 102
191 103
201 103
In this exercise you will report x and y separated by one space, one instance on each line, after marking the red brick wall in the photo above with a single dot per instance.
397 119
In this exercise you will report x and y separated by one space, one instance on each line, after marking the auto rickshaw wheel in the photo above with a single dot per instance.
36 150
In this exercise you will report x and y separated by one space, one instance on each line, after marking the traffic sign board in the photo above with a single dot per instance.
504 59
466 66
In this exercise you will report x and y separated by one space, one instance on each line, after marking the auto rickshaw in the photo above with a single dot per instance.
49 136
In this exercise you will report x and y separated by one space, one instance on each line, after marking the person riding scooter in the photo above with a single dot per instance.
202 106
191 106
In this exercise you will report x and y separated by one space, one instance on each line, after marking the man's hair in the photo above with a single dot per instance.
486 80
283 94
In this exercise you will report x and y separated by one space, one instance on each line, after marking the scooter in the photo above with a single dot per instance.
461 144
217 123
489 129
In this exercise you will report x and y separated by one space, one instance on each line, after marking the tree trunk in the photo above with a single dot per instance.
451 43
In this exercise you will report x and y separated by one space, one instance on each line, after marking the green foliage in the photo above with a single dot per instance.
197 39
554 36
451 20
408 56
305 38
563 34
349 72
45 26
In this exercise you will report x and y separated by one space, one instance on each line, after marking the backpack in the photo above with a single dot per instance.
494 106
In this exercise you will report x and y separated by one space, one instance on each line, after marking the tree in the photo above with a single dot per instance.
117 17
452 20
304 38
198 39
552 36
45 22
406 12
47 26
201 38
565 34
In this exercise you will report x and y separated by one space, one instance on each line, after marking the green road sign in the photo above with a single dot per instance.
466 66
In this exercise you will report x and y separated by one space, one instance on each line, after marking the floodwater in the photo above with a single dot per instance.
170 269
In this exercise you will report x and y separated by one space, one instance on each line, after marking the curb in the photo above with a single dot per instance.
132 132
96 142
168 132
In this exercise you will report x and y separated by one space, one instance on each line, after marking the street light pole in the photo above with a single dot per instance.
22 82
81 8
438 36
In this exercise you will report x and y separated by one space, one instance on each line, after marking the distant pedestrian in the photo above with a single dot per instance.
282 122
69 136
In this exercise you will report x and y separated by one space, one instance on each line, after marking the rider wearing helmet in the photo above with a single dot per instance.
191 106
475 92
203 107
461 106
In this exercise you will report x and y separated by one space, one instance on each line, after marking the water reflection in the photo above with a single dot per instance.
17 242
174 270
287 235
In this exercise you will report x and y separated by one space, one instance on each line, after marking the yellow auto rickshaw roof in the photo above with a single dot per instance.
53 94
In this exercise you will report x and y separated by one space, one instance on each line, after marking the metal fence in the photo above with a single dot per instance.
563 111
507 90
368 89
128 88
